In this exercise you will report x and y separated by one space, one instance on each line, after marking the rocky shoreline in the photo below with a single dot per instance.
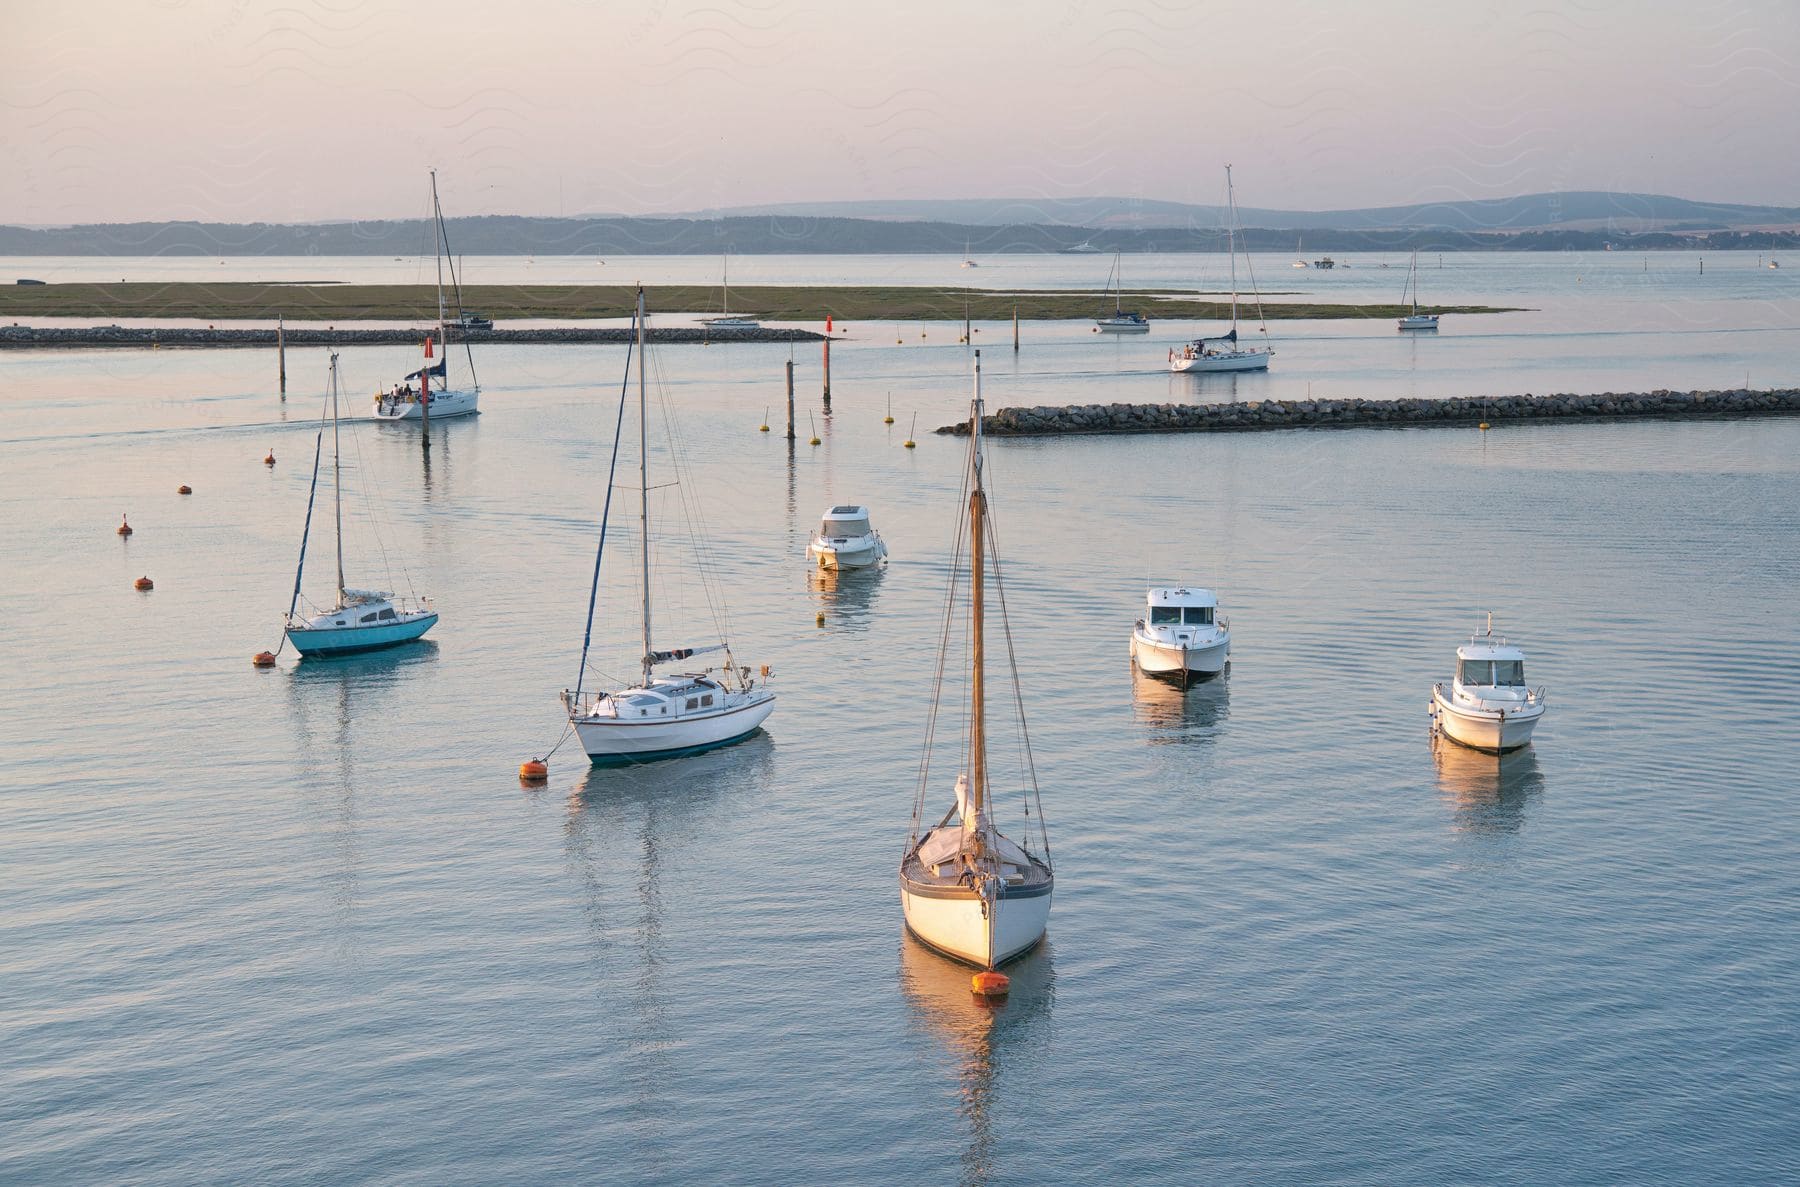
140 336
1314 414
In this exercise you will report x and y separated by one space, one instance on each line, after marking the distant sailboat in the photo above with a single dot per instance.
359 619
405 402
1416 320
728 320
968 261
1119 321
1222 352
1299 259
966 889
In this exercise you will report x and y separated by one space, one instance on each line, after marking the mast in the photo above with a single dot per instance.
437 239
337 480
644 479
977 562
1231 243
1118 287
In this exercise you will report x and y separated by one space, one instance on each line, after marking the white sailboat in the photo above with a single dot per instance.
1299 260
728 320
1416 320
661 716
404 401
1222 352
968 261
966 889
359 619
1121 322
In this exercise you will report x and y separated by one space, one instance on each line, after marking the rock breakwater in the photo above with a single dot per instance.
28 336
1255 415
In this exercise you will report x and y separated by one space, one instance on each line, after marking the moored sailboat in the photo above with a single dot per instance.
965 888
1416 320
668 715
1119 321
727 320
436 399
1221 352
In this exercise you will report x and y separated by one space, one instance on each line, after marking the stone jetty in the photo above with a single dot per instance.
140 336
1321 414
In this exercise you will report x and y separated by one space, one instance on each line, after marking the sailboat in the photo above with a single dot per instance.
726 319
404 401
360 619
968 261
1299 260
668 715
965 889
1222 352
1120 322
1416 320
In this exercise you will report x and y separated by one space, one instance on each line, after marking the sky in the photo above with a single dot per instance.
316 110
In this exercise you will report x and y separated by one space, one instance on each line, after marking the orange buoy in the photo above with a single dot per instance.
125 528
184 489
263 659
534 770
991 983
143 583
270 460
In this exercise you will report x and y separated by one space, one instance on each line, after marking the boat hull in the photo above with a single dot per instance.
1237 360
1493 730
952 921
1201 662
1419 322
1109 326
610 740
443 406
348 640
848 558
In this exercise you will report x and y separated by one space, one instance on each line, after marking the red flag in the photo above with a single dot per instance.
828 323
428 346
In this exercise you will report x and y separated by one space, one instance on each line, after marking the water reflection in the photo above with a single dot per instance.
1487 792
989 1044
845 596
1171 713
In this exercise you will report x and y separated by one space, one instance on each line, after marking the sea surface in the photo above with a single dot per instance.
303 925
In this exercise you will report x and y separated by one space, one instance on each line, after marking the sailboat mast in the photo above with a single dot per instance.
977 563
644 478
1118 287
1231 241
437 243
337 480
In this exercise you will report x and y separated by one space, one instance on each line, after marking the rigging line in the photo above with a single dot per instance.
705 557
370 517
437 212
587 635
1018 693
937 684
306 531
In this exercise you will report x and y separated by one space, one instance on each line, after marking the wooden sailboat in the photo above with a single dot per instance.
966 889
437 399
360 619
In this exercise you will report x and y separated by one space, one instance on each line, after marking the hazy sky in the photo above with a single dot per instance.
237 110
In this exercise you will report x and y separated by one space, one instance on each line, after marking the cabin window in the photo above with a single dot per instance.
1476 671
1509 671
693 702
844 527
1197 615
707 699
1165 615
386 614
369 617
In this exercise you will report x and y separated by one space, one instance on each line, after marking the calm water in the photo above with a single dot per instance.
303 926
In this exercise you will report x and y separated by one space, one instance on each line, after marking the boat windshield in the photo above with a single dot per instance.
844 527
1505 672
1165 615
1198 615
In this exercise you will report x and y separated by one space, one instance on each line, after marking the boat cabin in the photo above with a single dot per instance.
843 523
673 697
1181 607
362 607
1487 664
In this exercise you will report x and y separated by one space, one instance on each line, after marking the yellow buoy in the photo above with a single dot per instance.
819 618
143 583
263 659
991 983
909 444
184 489
815 441
534 770
1485 426
762 428
125 528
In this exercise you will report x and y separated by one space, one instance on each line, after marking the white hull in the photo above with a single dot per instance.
443 406
1419 321
732 323
633 738
1494 730
1109 326
861 557
1208 659
958 926
1235 360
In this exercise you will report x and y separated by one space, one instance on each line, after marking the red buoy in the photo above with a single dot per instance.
534 770
143 583
991 983
270 460
124 526
184 489
263 659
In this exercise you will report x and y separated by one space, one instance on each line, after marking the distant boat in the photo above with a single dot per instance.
1324 262
1299 260
968 261
1772 264
845 540
1121 322
359 619
1415 320
405 402
1221 352
966 889
1488 705
1084 248
669 715
726 319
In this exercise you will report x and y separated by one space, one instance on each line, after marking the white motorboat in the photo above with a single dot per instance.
422 403
359 619
1221 352
1487 705
1182 635
1415 320
671 715
1119 321
965 889
727 320
846 541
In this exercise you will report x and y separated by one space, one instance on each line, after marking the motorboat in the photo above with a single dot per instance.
358 619
660 716
1120 321
433 397
1325 262
1415 320
846 541
966 889
1221 352
1182 634
1487 705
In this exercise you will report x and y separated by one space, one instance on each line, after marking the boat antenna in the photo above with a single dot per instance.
337 479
